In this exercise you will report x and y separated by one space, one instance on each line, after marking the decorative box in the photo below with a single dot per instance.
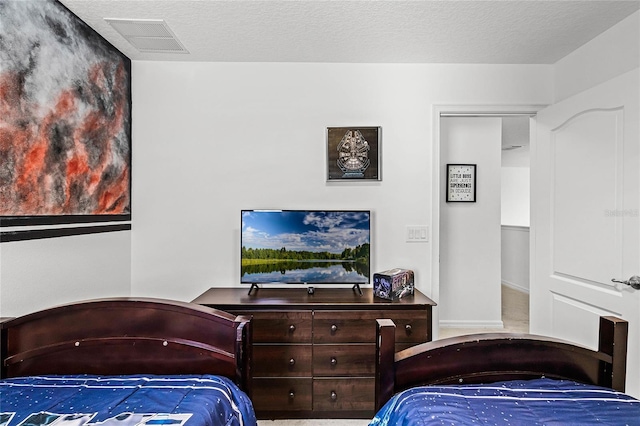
393 284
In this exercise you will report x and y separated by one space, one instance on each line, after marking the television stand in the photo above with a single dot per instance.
356 288
253 285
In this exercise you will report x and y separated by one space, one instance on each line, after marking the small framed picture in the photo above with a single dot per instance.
461 183
353 153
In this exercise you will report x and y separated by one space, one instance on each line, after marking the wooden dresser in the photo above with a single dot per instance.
314 354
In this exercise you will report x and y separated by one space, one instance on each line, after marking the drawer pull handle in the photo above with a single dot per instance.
334 361
292 394
334 328
292 362
408 328
334 396
292 328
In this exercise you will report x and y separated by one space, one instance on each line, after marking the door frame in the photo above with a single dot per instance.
460 110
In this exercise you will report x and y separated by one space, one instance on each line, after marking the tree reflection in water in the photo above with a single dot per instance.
307 272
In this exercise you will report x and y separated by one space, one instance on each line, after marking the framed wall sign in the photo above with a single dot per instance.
461 183
353 153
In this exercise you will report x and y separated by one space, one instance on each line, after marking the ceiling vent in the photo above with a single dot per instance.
148 35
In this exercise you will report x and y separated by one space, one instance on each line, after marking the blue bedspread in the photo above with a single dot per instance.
524 402
124 401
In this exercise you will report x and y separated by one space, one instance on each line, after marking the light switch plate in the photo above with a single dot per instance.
419 234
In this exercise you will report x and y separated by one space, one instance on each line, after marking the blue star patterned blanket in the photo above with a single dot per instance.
124 401
520 402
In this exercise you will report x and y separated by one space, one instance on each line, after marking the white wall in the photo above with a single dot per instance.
38 274
516 132
515 210
611 54
515 196
470 232
211 139
515 265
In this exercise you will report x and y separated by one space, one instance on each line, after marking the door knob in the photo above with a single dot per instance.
634 282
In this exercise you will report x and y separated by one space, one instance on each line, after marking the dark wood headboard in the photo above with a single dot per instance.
484 358
127 336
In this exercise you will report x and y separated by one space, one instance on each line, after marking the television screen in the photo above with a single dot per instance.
305 247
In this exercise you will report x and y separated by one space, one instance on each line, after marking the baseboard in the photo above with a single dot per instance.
471 324
515 286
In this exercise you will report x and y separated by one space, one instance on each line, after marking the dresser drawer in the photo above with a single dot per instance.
282 360
343 394
345 326
281 327
344 360
282 394
411 326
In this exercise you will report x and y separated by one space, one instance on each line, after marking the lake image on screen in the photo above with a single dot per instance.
305 247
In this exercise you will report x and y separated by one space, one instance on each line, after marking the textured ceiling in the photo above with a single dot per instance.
397 31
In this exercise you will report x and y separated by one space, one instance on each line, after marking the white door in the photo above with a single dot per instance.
585 187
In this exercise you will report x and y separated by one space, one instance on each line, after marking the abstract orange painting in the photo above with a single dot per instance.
65 117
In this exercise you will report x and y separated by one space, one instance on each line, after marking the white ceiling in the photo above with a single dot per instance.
364 31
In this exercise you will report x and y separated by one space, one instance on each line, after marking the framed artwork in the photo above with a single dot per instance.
461 183
65 132
353 153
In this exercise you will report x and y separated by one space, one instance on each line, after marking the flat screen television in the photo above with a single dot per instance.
305 247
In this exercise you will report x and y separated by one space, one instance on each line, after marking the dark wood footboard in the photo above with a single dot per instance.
483 358
127 336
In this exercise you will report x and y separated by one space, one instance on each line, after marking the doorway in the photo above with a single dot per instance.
512 116
515 222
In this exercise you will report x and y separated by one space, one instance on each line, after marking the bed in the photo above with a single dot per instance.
126 361
503 378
